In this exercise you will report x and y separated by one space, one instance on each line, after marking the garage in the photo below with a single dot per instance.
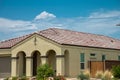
5 66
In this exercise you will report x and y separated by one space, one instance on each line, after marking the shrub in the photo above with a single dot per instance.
60 77
44 71
116 71
81 76
84 75
99 74
24 78
107 75
6 79
14 78
87 74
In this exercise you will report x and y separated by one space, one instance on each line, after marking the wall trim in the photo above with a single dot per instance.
43 56
60 56
14 57
29 57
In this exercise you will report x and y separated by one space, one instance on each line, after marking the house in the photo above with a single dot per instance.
68 52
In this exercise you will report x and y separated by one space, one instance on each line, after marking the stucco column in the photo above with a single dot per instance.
60 65
14 66
29 66
43 59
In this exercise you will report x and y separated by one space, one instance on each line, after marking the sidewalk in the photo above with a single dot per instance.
2 78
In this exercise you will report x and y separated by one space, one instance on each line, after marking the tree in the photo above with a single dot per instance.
116 71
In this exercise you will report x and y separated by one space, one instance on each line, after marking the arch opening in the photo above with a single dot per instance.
51 59
21 64
36 62
66 63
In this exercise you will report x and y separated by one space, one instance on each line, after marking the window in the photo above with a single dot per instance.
103 57
82 60
82 57
119 57
92 54
82 66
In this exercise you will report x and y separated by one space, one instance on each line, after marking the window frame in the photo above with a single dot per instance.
92 54
82 61
82 65
119 57
103 57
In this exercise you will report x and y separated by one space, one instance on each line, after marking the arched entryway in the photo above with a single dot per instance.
51 59
66 53
36 61
21 64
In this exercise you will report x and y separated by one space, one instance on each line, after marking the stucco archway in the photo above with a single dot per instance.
66 54
51 59
21 64
36 62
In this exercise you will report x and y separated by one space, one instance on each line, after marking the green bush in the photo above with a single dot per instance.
59 78
6 78
116 71
81 76
24 78
84 75
44 71
14 78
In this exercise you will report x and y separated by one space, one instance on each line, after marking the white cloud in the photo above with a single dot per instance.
104 24
7 25
108 14
45 15
97 22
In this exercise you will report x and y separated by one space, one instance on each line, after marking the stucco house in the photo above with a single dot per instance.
68 52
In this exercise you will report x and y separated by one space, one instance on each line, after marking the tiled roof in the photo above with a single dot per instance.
68 37
11 42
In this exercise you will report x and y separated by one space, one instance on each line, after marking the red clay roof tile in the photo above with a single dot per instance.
11 42
68 37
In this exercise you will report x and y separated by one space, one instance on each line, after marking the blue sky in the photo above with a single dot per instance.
19 17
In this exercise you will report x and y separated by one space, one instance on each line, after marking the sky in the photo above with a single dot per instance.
21 17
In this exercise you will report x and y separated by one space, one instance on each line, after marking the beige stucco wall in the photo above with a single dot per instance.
43 45
74 57
5 51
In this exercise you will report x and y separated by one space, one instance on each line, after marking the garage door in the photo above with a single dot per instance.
5 66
